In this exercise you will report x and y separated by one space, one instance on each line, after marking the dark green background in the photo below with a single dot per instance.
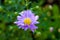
49 16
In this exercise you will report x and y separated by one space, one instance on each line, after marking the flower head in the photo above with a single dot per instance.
27 20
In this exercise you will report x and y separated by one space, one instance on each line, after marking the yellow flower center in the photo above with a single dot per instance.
27 21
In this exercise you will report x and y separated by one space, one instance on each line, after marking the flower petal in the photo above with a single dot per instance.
33 27
19 23
25 27
36 22
36 17
19 17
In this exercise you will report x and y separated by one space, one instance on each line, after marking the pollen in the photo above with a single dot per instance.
27 21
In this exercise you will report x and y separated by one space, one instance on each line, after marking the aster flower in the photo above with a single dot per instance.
27 20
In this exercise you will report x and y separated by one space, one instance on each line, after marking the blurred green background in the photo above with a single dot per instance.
49 18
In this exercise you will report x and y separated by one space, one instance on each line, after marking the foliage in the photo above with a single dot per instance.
48 17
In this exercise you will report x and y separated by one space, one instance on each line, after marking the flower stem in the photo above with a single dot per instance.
33 37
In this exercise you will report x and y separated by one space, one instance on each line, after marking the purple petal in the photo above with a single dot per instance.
19 23
19 17
21 13
36 22
25 27
36 17
27 13
33 27
20 27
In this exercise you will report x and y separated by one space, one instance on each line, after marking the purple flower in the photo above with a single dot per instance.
27 20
